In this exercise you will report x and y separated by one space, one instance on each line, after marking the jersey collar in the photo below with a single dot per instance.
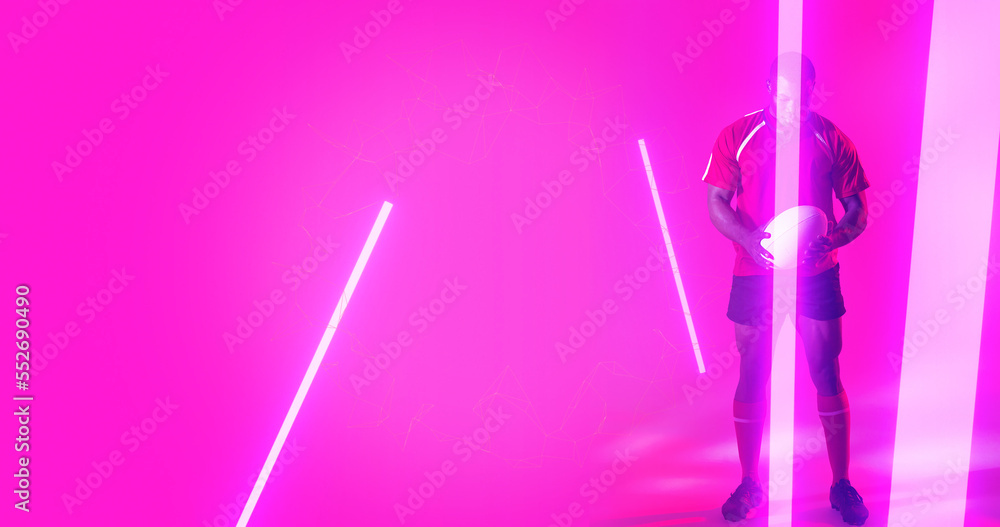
771 121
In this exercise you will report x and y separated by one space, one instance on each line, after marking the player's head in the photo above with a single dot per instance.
790 84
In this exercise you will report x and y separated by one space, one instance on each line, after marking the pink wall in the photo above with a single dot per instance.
537 91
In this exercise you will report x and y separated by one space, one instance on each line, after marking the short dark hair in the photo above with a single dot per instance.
808 71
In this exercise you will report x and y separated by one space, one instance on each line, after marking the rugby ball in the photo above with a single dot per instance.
791 232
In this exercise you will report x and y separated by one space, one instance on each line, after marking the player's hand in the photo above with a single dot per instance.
820 247
751 242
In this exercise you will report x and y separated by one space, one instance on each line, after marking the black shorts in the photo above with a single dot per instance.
818 297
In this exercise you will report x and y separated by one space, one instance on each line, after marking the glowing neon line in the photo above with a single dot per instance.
951 236
786 195
317 359
673 259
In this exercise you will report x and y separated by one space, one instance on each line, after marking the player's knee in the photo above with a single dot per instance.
826 382
824 373
755 364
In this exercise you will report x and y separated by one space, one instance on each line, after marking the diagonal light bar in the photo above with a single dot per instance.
317 359
786 196
951 235
673 259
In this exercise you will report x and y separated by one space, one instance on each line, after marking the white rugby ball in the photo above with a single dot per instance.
791 232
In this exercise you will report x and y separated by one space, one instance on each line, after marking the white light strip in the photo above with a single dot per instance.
317 359
951 234
786 184
673 259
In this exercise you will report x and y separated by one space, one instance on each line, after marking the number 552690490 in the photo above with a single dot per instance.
23 341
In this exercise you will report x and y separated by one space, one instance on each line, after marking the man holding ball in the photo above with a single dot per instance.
743 163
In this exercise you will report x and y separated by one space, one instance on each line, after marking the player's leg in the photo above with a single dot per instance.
823 342
749 410
750 298
749 402
819 324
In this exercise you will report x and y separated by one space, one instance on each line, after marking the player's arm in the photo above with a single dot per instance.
850 226
854 221
721 212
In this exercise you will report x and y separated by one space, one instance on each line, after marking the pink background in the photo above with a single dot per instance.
493 349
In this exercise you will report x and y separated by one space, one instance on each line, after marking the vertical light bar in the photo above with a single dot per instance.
786 195
951 234
673 259
317 359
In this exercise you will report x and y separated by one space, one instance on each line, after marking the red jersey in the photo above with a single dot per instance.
743 160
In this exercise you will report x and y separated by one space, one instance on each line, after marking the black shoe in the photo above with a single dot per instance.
845 499
747 496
